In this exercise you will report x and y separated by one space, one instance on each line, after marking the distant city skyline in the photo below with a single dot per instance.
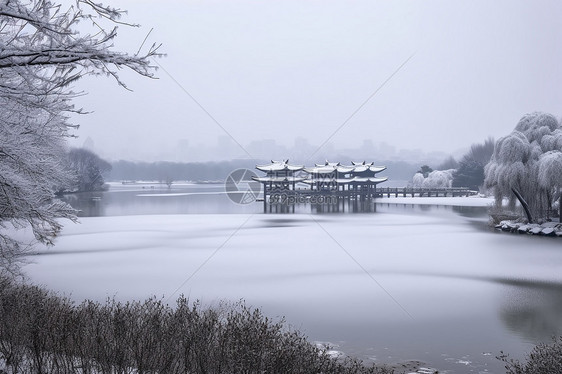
436 76
301 150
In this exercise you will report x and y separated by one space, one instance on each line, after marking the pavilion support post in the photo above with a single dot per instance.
265 197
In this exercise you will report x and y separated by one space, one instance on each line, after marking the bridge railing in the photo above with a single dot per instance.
428 192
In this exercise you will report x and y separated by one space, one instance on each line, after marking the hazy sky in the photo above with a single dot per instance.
286 69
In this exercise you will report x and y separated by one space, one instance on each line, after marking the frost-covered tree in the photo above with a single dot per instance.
417 180
439 179
550 175
527 161
435 179
88 169
42 52
424 170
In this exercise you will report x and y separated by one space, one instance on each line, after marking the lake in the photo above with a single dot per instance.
402 279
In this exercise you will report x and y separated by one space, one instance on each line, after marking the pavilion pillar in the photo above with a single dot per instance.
265 197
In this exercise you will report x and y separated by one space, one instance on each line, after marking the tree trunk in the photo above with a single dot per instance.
523 204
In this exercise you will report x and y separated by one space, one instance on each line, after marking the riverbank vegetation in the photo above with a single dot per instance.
41 332
545 358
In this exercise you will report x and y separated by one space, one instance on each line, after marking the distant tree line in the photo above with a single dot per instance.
87 169
164 171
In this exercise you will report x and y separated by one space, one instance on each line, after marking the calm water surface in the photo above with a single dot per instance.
396 282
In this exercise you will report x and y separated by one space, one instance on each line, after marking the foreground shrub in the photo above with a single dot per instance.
41 332
543 359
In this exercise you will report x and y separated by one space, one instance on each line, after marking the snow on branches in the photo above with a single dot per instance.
42 53
435 179
38 33
529 160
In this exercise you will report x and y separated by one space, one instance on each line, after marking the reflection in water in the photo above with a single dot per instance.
88 204
469 211
279 208
340 206
135 200
534 313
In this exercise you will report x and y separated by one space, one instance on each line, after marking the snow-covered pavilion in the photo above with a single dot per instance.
358 178
279 175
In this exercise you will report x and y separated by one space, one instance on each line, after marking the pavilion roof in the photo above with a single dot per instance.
347 180
328 169
272 179
370 179
328 164
277 166
364 168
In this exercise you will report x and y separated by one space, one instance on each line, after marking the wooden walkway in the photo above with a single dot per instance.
421 192
379 192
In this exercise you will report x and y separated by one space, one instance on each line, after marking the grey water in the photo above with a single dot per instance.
156 198
410 282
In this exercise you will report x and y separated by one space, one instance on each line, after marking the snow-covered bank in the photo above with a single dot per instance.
545 229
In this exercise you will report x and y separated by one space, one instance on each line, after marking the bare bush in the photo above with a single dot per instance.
543 359
41 332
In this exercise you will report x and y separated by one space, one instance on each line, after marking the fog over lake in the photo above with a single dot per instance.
405 280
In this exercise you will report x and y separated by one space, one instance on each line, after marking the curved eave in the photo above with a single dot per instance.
345 169
278 167
360 168
278 179
346 180
295 167
270 168
377 169
369 180
328 181
320 170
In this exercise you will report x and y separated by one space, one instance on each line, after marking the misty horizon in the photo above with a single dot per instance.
428 76
301 151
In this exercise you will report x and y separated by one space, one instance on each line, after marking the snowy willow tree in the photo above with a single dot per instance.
528 162
550 175
42 53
